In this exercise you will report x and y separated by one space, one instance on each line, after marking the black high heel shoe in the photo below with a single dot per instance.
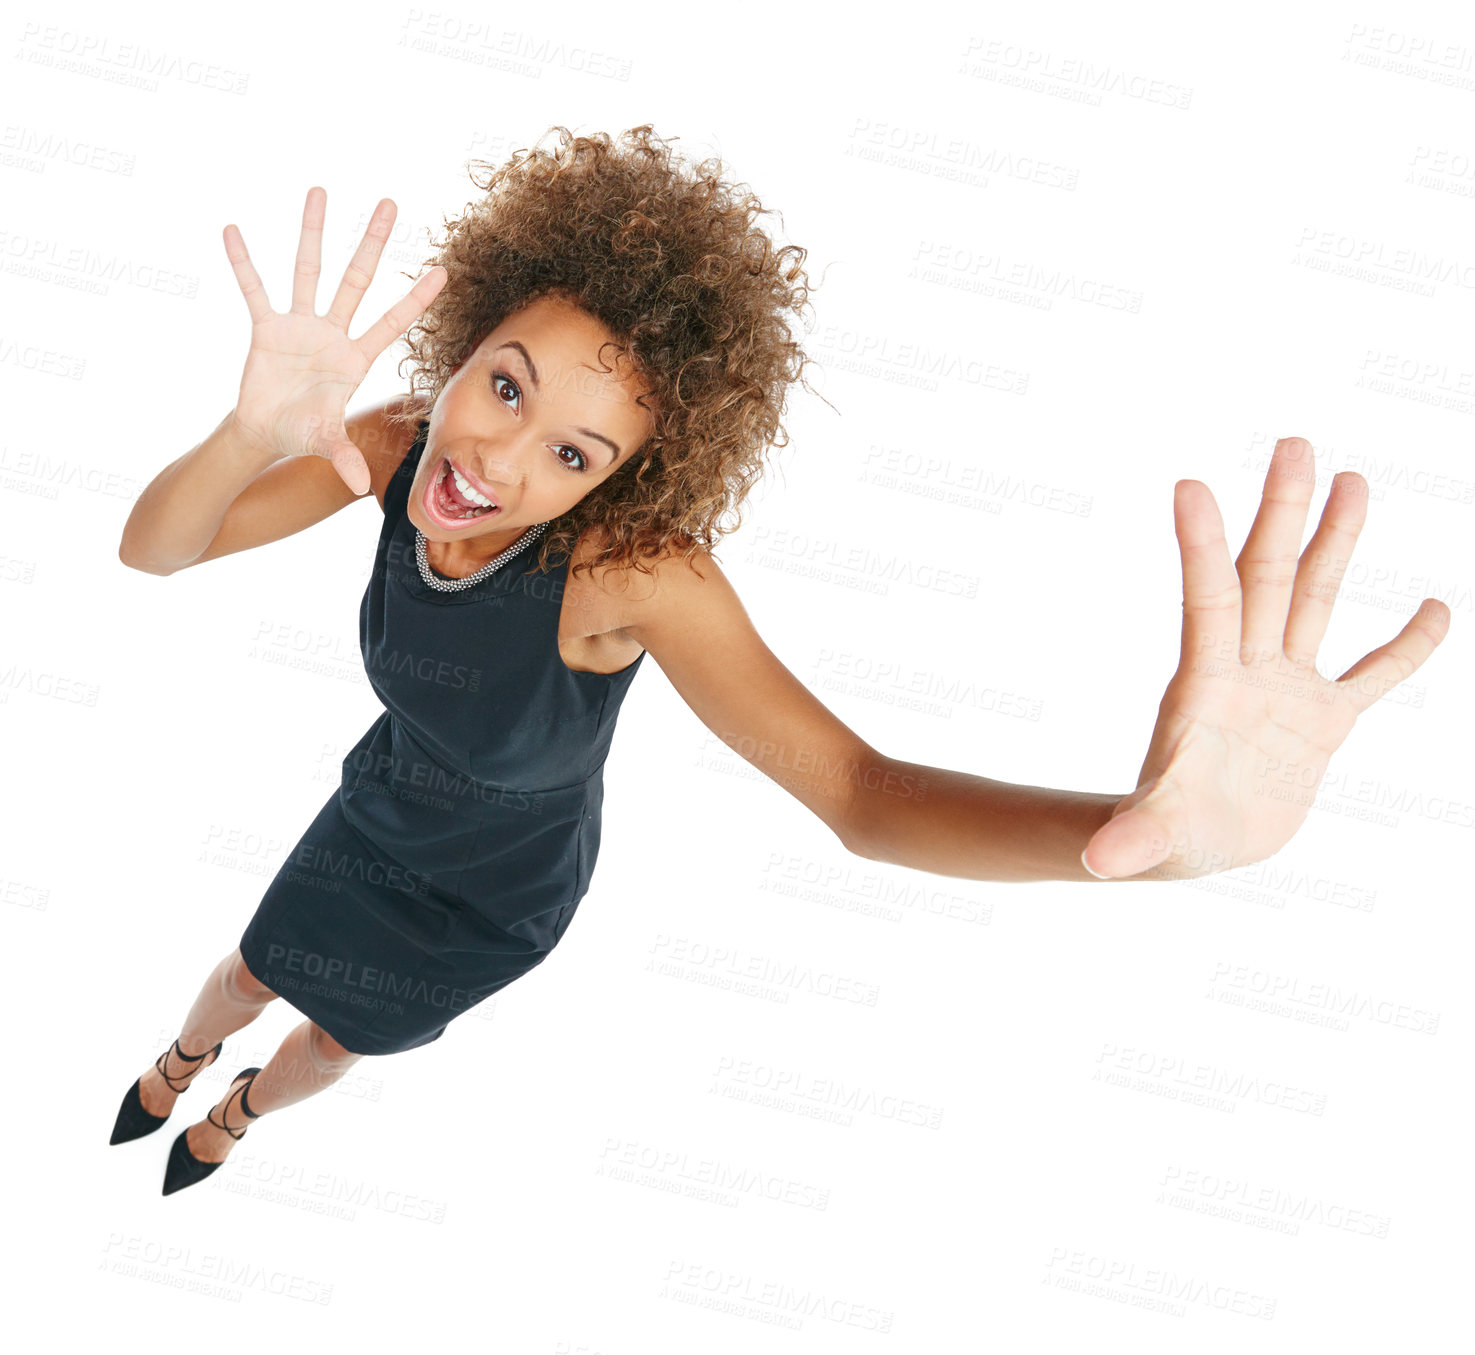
133 1120
184 1168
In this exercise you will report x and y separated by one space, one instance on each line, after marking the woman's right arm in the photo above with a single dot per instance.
179 513
287 455
228 495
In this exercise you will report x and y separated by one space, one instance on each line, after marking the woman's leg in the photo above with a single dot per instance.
308 1060
230 999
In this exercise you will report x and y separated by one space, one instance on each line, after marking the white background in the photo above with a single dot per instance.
1182 236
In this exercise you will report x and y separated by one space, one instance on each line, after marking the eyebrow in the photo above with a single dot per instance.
533 372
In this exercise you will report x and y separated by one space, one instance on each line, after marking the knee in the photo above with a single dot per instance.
242 984
325 1051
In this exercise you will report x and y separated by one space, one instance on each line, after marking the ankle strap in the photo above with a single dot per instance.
183 1058
220 1123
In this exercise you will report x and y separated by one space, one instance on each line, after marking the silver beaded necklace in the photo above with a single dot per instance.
454 585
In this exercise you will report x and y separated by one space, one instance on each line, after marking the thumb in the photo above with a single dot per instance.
352 469
1137 837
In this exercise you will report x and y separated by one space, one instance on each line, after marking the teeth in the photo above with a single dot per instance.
467 489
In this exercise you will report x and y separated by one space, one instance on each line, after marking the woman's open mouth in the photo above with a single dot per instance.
452 501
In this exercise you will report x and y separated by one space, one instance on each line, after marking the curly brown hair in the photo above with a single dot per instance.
669 259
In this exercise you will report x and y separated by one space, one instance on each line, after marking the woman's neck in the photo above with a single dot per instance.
457 559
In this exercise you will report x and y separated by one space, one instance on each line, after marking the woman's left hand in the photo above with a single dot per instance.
1247 725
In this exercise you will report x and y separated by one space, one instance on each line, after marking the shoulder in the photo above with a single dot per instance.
685 595
654 583
630 601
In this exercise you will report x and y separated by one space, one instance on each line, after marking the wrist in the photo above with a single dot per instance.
243 447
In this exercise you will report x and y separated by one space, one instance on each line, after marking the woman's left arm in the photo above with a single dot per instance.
949 823
1243 735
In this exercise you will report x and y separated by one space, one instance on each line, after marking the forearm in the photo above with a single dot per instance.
953 823
177 516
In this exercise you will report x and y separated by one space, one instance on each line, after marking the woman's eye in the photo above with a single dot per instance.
499 380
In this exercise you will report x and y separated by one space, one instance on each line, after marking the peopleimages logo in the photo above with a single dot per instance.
337 866
349 974
425 667
431 777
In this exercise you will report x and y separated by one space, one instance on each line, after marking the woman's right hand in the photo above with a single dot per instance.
303 367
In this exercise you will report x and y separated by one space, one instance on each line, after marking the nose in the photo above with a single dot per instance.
500 465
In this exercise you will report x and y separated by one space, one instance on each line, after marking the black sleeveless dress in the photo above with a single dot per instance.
453 854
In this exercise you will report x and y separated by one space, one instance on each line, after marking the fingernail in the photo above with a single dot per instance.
1097 874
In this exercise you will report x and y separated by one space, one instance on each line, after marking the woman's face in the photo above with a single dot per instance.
533 422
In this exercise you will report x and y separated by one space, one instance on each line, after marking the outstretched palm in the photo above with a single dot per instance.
1247 725
303 367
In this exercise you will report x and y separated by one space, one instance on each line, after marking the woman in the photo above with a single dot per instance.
602 354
